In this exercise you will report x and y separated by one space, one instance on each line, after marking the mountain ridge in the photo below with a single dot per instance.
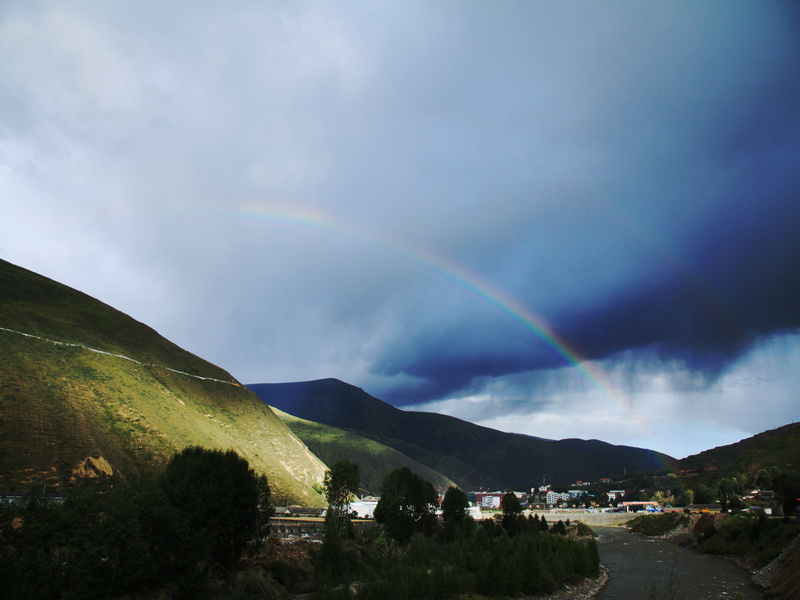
373 458
472 455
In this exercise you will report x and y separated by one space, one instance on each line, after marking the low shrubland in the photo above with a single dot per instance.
474 558
757 539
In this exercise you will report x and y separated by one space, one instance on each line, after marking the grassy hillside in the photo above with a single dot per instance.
61 402
375 460
470 455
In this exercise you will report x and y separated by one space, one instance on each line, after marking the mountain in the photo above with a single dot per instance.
374 459
87 391
778 448
471 455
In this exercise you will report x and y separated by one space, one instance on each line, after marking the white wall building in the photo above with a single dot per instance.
364 508
554 497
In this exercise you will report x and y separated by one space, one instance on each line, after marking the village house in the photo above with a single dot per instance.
615 495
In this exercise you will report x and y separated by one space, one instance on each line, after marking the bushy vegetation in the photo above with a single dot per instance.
481 559
656 525
414 557
757 538
170 530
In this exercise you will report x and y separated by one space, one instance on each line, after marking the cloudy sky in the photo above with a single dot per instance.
566 219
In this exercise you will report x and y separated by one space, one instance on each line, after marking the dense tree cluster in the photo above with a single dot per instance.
408 504
198 514
416 557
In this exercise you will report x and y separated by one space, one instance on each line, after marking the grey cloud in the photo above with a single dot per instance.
607 167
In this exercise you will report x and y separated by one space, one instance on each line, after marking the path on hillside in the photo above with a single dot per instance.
122 356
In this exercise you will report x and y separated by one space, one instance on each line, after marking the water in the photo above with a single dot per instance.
641 567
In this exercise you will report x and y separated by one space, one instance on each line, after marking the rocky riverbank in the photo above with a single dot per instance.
584 590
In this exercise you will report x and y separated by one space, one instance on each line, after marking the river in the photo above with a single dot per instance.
640 569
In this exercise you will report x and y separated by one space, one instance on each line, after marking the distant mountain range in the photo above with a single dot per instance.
470 455
80 380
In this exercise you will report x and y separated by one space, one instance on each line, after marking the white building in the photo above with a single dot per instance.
554 497
364 508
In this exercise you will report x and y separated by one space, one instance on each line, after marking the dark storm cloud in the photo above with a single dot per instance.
372 191
686 239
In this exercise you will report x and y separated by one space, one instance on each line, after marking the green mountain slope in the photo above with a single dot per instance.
774 448
470 455
79 379
375 460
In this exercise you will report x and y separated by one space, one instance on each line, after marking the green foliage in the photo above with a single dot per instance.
486 562
758 538
141 536
787 486
703 494
217 493
559 528
454 513
407 505
454 505
656 525
331 560
511 510
686 498
341 483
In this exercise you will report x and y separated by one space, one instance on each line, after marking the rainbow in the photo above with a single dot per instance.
449 270
307 218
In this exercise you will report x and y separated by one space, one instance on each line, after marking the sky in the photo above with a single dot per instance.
564 219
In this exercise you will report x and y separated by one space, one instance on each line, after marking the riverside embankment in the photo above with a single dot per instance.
593 519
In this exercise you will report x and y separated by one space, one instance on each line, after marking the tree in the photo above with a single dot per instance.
686 498
221 501
457 523
703 494
511 510
787 487
454 505
340 484
408 504
663 498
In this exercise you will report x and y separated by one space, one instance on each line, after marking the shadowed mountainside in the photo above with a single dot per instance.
79 379
471 455
374 460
